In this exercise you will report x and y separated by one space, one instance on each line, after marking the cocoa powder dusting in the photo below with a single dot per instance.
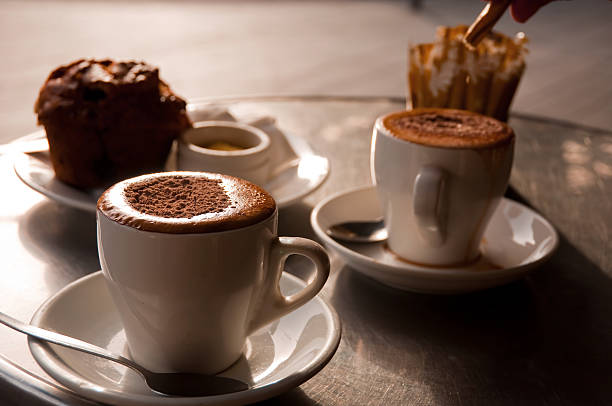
447 128
178 196
186 202
447 124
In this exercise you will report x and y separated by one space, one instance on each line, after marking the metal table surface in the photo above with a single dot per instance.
546 339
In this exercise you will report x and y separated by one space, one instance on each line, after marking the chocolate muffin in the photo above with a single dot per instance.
107 121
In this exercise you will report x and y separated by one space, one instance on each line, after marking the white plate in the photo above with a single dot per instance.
516 241
288 185
278 357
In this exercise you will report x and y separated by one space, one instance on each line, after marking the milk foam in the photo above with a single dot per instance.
233 204
448 128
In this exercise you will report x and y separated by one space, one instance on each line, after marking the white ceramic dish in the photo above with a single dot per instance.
251 163
288 184
516 241
278 357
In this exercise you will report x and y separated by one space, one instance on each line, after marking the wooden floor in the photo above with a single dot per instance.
219 48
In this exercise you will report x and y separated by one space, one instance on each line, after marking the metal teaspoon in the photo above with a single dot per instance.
359 231
174 384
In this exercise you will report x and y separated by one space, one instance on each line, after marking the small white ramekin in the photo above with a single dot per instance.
252 163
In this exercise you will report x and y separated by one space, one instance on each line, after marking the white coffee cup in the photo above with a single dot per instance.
251 163
437 200
188 301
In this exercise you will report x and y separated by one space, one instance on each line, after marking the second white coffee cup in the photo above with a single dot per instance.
437 199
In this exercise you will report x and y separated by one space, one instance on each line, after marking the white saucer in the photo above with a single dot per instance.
516 241
278 357
289 184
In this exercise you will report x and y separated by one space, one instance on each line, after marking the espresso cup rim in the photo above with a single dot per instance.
114 200
382 129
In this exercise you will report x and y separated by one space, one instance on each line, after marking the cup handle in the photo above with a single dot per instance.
429 204
273 304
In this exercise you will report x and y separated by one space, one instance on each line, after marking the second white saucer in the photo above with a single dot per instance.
516 241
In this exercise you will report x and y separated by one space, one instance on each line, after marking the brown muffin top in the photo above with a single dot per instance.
90 83
447 128
186 202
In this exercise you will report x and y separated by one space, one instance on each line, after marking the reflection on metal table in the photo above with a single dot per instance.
546 338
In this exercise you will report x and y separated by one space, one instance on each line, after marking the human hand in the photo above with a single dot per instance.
522 10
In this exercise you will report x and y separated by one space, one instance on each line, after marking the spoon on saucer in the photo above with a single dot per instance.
173 384
359 231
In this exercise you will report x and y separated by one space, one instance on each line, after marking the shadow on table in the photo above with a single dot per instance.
294 221
294 397
63 238
545 338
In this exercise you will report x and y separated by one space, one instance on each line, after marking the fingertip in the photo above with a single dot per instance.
521 14
523 10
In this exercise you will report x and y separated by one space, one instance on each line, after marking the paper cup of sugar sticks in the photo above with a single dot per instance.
446 73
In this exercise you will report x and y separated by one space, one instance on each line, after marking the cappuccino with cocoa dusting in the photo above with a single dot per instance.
448 128
186 202
193 262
